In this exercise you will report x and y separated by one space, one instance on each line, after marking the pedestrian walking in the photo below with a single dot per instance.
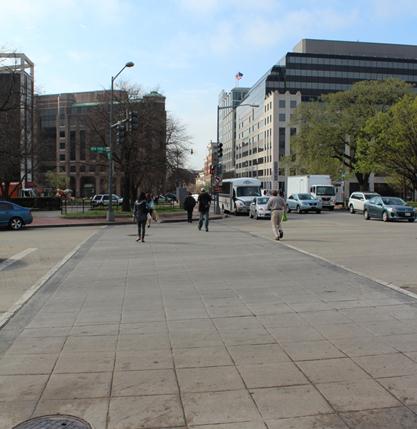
204 202
189 204
278 207
141 212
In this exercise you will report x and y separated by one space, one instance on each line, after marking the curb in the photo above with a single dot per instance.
62 225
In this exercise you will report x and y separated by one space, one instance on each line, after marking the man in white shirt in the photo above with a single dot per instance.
277 206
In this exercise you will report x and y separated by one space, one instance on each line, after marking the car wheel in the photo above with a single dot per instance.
331 208
288 210
366 214
385 217
16 223
318 211
351 209
411 220
299 211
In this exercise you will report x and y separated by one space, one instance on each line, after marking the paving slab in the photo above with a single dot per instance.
388 418
291 401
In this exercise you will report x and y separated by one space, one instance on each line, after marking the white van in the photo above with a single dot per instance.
237 194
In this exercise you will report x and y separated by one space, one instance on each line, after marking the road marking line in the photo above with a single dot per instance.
16 258
358 273
4 318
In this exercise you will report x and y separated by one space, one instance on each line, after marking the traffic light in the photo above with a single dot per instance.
219 150
134 120
121 133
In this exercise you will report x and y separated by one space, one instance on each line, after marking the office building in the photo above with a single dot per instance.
228 101
68 125
313 68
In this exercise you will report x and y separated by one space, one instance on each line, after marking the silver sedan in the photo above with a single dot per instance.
303 203
257 208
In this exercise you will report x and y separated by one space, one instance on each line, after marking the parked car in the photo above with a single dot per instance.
388 208
14 216
258 208
103 200
357 200
303 203
170 197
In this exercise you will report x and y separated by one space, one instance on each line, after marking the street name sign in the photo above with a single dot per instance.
99 149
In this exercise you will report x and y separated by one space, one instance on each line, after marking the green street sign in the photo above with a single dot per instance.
99 149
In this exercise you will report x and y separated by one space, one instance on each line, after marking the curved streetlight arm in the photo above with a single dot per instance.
110 213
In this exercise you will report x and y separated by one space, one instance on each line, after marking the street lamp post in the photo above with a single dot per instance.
110 213
216 207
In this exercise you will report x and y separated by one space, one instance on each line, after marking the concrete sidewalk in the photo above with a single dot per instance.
217 330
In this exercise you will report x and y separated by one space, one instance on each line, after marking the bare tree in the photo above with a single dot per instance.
10 147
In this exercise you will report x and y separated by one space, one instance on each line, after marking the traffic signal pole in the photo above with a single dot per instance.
216 169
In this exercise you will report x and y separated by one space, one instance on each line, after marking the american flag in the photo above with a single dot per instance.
238 75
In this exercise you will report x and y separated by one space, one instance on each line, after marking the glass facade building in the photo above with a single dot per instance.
313 68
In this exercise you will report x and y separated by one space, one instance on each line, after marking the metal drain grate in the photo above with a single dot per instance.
54 422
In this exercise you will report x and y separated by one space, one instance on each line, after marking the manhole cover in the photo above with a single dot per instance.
54 422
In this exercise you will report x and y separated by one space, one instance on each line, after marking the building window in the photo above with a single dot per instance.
72 169
92 168
72 145
61 169
293 104
281 142
82 144
62 156
281 117
281 104
82 168
62 133
62 145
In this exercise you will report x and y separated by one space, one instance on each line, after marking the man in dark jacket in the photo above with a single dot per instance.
140 212
204 201
189 204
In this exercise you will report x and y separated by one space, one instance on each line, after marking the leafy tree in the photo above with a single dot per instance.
389 142
57 180
329 130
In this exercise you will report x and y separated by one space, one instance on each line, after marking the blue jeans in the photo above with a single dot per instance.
204 217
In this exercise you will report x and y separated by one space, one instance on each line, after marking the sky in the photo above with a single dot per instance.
188 50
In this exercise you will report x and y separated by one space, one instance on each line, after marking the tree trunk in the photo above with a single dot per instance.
363 180
126 193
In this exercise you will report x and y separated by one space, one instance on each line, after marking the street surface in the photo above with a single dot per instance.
221 330
384 251
26 256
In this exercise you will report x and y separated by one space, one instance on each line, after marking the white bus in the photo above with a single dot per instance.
237 194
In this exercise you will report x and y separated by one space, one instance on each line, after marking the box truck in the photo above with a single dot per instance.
319 185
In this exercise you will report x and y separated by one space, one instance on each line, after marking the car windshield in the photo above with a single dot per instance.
263 200
325 190
248 191
305 197
392 201
369 196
